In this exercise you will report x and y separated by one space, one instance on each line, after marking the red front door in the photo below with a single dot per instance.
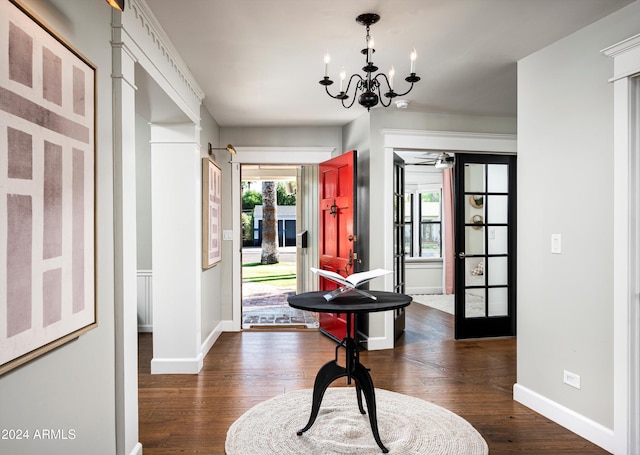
337 238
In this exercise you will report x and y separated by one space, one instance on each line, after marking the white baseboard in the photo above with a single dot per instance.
211 339
571 420
229 326
137 450
375 343
177 366
422 290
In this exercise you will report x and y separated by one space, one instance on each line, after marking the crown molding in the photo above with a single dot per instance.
626 55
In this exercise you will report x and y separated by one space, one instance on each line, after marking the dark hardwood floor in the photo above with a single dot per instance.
191 413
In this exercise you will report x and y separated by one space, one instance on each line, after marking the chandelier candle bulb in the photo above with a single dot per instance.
327 59
392 72
343 75
413 57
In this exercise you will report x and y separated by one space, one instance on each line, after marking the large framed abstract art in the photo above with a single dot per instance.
211 225
47 189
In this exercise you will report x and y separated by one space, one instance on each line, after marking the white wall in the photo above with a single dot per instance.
423 277
356 136
565 301
73 387
211 280
143 192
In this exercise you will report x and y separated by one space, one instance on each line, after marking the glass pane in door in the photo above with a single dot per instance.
498 178
498 239
498 302
475 275
498 271
474 306
474 178
474 240
497 209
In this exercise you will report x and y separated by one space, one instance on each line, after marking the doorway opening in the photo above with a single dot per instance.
269 252
425 221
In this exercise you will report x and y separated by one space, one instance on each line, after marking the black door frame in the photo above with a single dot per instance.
492 326
399 272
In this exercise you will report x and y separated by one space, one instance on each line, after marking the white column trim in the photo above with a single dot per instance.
626 261
177 290
124 207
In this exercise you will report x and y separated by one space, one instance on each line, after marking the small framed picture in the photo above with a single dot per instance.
211 211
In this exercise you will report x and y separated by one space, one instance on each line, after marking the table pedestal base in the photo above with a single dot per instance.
364 385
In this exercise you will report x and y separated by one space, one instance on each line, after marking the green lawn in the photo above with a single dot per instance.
282 274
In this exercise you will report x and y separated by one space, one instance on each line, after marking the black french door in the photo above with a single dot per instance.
398 241
485 225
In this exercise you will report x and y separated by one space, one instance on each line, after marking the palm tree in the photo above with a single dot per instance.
270 253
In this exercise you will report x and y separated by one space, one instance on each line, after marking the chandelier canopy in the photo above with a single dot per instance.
371 86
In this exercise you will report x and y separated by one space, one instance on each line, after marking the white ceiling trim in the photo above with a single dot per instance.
450 141
282 155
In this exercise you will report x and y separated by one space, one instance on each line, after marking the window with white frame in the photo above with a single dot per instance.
423 223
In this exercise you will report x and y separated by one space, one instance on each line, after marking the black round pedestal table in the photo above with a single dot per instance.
350 303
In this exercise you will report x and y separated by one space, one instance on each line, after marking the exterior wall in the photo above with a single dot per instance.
73 386
565 301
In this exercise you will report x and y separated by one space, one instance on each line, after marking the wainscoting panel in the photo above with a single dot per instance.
145 301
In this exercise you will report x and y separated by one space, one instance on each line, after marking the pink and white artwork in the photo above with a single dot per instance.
211 228
47 128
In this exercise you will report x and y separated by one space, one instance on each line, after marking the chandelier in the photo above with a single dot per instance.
371 86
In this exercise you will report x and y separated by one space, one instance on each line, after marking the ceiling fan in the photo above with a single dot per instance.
440 160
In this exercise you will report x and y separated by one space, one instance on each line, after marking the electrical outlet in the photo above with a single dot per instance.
571 379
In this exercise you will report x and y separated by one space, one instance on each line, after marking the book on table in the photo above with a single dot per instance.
351 282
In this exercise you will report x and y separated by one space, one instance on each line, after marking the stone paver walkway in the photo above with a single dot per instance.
264 305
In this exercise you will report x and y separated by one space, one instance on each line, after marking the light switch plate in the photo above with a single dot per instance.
556 244
227 234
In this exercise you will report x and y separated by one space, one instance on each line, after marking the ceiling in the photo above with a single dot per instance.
259 62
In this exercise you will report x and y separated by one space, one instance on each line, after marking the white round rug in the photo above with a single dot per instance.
407 425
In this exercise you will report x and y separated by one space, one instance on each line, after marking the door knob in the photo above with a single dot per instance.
461 255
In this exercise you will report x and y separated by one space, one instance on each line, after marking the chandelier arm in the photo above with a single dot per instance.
358 84
382 99
383 76
379 86
403 94
360 81
353 100
326 87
